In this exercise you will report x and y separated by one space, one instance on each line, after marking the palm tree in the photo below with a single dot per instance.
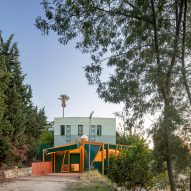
63 98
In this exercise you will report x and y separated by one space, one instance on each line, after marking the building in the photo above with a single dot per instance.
73 151
70 129
75 157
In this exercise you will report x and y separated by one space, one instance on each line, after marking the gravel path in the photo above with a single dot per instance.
41 183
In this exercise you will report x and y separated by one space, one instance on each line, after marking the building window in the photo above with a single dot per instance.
99 130
68 132
93 132
62 129
80 129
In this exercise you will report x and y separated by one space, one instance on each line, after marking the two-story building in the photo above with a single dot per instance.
73 151
69 129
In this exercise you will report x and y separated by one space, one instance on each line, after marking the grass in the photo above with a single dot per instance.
90 187
93 182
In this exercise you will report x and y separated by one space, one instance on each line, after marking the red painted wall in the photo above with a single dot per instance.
41 168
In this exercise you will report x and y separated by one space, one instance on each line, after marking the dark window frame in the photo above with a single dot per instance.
80 126
62 132
99 131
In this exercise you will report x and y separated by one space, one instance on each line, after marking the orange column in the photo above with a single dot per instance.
108 155
62 166
69 160
43 155
82 156
103 159
80 166
54 162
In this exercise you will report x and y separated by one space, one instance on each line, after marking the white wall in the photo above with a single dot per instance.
108 128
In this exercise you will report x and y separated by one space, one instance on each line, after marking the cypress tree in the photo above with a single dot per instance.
20 121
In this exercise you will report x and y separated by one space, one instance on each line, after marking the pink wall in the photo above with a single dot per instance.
41 168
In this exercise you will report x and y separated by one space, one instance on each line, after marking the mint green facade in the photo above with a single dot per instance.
71 133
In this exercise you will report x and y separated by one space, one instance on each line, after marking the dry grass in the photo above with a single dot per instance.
92 182
94 176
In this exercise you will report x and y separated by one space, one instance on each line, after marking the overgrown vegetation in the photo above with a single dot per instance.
21 123
141 167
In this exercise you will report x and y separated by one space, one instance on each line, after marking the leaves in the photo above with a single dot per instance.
20 122
130 169
63 98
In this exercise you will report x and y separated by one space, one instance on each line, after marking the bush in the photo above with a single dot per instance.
130 169
46 137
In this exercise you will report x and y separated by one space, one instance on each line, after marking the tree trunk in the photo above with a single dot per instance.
183 54
63 113
170 171
190 182
167 132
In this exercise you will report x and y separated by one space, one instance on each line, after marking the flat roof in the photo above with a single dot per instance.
85 117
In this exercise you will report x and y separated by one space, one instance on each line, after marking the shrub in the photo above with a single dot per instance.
130 169
46 137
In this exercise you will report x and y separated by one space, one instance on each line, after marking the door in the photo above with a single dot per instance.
75 162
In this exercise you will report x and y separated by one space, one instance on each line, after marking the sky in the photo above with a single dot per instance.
52 69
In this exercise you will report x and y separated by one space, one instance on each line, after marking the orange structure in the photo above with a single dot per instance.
70 158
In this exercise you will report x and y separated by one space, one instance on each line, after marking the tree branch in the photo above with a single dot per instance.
156 46
183 54
122 13
175 48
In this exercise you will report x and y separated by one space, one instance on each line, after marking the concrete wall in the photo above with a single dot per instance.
108 129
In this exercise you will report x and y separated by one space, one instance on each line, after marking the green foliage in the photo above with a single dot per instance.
130 169
46 137
20 122
129 139
179 151
160 181
4 148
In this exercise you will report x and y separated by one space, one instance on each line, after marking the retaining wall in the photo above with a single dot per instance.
13 173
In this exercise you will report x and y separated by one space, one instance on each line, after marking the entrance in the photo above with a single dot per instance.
75 162
71 161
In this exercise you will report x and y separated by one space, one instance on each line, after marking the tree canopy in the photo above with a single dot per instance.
139 40
147 46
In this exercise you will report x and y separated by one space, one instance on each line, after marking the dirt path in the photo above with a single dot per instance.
41 183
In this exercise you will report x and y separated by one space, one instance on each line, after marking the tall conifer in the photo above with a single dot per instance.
20 121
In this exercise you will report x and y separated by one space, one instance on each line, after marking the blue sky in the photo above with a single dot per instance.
52 69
